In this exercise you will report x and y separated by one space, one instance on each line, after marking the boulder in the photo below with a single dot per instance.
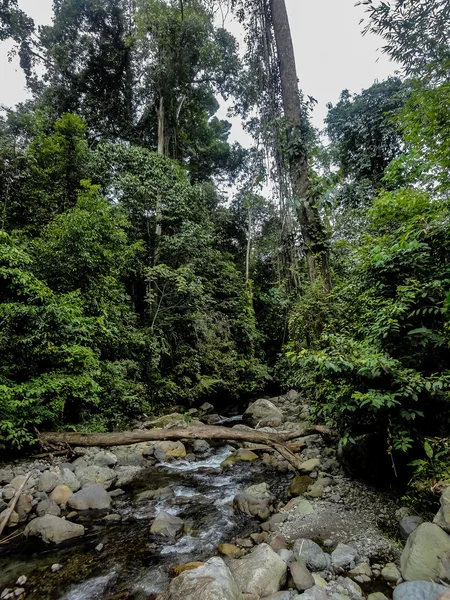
126 475
105 459
48 507
317 593
6 476
264 414
69 479
48 481
159 494
424 552
377 596
344 556
13 519
309 465
255 501
302 578
299 485
167 422
201 447
17 482
211 581
53 529
311 554
261 572
94 475
206 408
239 455
166 525
443 516
421 590
88 498
173 449
24 506
61 494
409 524
229 550
390 573
299 506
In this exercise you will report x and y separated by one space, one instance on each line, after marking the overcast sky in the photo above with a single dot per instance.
331 53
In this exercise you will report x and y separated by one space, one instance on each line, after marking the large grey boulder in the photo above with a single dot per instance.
302 578
126 475
104 459
421 590
47 507
443 516
255 501
48 481
344 556
167 525
263 413
211 581
424 552
103 476
68 478
261 572
311 554
53 529
409 524
94 497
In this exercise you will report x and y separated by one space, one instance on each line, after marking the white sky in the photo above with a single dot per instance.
331 53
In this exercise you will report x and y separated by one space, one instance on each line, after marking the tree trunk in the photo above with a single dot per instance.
313 232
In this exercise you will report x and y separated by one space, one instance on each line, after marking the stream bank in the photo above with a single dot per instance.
169 504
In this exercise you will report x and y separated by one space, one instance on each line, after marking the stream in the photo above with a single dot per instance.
131 562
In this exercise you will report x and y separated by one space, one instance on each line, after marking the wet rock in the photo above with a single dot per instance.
6 476
92 497
61 494
229 550
13 519
443 516
302 578
201 447
211 581
53 529
167 525
126 475
255 501
113 518
48 481
178 569
310 465
24 506
263 413
261 572
311 554
299 485
343 556
206 408
48 507
69 479
213 419
94 475
239 455
105 459
390 573
408 525
173 449
159 494
421 590
423 552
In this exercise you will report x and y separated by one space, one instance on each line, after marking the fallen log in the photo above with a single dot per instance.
12 504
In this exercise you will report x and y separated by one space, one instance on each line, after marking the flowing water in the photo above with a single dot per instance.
133 564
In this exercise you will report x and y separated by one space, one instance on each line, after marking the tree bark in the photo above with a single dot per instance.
313 233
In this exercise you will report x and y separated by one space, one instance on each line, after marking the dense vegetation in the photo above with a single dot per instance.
141 265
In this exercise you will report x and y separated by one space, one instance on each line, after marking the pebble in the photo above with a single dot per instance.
21 581
99 548
56 567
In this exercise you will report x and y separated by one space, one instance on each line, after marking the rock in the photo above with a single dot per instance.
229 550
126 475
61 494
377 596
408 525
99 547
279 596
211 581
21 581
8 493
173 449
206 408
390 573
351 587
239 455
113 518
88 498
316 593
273 522
343 556
299 485
94 475
48 481
6 476
3 505
131 459
178 569
286 555
424 550
302 578
24 506
201 447
310 465
48 507
213 419
13 519
315 491
278 543
421 590
17 482
159 454
255 501
53 529
166 421
311 554
167 525
105 459
56 567
261 572
443 516
362 569
69 479
159 494
263 413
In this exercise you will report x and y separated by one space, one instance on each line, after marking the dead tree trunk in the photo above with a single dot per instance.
313 232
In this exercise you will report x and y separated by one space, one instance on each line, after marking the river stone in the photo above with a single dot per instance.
239 455
201 447
377 596
6 476
425 549
166 421
105 459
8 493
167 525
92 497
299 485
53 529
311 554
316 593
309 465
69 479
408 525
61 494
390 573
159 494
255 501
3 505
173 449
263 413
211 581
17 482
93 475
48 481
261 572
443 516
48 507
302 578
344 556
13 519
315 491
421 590
288 595
126 475
24 506
229 550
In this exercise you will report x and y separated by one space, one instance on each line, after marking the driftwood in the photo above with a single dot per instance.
278 441
12 504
